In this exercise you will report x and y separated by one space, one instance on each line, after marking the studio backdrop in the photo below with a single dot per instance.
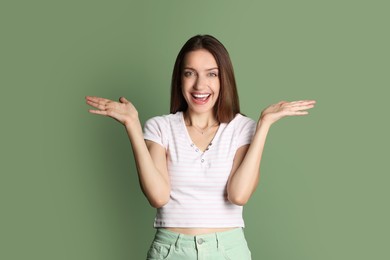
69 187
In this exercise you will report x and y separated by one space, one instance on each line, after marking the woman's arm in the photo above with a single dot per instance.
245 173
149 157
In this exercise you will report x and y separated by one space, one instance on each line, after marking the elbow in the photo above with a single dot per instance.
159 202
239 195
239 200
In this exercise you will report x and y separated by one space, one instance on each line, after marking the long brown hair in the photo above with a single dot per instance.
227 105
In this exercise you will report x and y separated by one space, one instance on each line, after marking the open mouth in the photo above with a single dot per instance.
200 98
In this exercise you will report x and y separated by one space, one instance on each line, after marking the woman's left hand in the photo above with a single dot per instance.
279 110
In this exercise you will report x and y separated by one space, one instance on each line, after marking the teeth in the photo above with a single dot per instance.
201 95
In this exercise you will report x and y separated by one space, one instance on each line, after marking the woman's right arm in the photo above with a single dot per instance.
150 157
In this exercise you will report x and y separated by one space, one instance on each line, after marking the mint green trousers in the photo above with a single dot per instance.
170 245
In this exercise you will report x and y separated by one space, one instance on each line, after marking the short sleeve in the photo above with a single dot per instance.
246 129
156 129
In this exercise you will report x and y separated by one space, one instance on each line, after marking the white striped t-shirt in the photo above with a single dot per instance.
198 179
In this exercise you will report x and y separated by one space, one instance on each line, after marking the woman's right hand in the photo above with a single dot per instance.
122 111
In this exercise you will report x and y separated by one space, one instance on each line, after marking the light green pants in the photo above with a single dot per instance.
229 245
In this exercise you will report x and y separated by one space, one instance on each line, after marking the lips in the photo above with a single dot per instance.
200 98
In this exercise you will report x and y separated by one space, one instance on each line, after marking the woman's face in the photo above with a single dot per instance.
200 81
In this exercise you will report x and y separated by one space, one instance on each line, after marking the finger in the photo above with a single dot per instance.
98 99
92 98
97 105
123 100
302 102
95 98
301 113
99 112
295 103
301 107
105 104
297 113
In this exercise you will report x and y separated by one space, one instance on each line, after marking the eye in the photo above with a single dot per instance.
188 73
213 74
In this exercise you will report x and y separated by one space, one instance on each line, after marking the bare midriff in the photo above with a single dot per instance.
197 231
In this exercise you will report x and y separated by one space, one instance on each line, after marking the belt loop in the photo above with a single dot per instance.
217 238
177 240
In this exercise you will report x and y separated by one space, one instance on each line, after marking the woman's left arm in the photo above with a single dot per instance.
245 173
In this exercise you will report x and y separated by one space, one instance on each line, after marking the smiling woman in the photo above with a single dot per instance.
210 53
200 164
200 82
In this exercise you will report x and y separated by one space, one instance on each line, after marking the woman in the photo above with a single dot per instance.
200 164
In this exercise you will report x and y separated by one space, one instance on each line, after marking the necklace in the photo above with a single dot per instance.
203 130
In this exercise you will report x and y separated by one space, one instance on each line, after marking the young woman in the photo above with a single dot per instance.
200 164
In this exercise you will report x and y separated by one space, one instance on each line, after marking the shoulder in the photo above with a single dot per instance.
243 129
159 128
242 121
164 120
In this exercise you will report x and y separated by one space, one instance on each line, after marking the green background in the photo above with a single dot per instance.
68 187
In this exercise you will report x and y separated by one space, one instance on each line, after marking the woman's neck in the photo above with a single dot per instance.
202 121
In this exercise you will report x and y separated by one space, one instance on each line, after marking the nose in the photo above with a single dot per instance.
201 82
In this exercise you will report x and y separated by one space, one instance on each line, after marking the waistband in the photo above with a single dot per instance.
226 238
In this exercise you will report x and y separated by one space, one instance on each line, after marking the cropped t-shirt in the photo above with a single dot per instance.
198 179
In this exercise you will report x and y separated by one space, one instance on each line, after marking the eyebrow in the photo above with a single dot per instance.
190 68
